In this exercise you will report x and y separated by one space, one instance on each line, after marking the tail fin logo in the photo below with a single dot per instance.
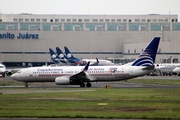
53 56
148 56
143 60
61 55
69 55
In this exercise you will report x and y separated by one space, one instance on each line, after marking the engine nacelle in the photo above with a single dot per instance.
9 73
65 80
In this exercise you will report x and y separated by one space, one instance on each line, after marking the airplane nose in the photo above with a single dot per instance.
14 76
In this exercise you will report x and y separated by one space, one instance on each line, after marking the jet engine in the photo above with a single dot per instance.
65 80
9 72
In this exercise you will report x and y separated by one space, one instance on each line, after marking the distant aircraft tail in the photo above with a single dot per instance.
53 56
68 53
60 54
148 56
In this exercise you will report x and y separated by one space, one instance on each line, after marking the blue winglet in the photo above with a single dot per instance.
148 56
86 67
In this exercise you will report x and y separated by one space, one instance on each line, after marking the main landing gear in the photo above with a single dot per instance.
25 84
87 85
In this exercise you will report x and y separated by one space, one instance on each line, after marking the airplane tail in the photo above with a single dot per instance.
68 53
148 56
60 54
53 55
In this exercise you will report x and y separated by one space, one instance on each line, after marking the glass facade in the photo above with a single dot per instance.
73 26
116 27
159 26
176 26
5 26
95 26
98 26
138 26
51 27
29 26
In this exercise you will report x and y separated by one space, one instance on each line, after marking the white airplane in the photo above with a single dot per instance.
2 70
166 68
79 75
177 70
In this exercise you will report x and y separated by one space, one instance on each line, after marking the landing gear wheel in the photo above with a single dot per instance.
82 85
3 75
26 85
88 84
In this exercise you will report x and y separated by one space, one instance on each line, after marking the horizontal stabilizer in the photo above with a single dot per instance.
149 68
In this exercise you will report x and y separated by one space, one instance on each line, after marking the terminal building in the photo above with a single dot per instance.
25 38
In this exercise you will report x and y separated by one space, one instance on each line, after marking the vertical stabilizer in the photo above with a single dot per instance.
148 56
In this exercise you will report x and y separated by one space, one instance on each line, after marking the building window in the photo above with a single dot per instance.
10 27
54 27
79 20
44 20
174 20
112 20
38 20
15 20
107 20
62 20
137 20
86 20
165 27
160 20
120 28
129 51
148 20
95 20
130 20
124 20
118 20
51 20
74 20
32 20
20 20
32 27
166 20
101 20
68 20
56 20
143 20
142 28
154 20
76 28
98 28
26 20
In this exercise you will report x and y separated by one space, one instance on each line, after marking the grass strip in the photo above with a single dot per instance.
129 103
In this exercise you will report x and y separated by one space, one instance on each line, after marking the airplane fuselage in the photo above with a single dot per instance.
95 73
2 68
167 67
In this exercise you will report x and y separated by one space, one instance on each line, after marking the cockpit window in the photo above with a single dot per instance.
1 66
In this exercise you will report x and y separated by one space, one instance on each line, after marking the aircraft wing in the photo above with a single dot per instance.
81 75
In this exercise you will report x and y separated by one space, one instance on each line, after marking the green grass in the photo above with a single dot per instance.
140 103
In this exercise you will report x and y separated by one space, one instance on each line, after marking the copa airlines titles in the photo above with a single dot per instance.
19 36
